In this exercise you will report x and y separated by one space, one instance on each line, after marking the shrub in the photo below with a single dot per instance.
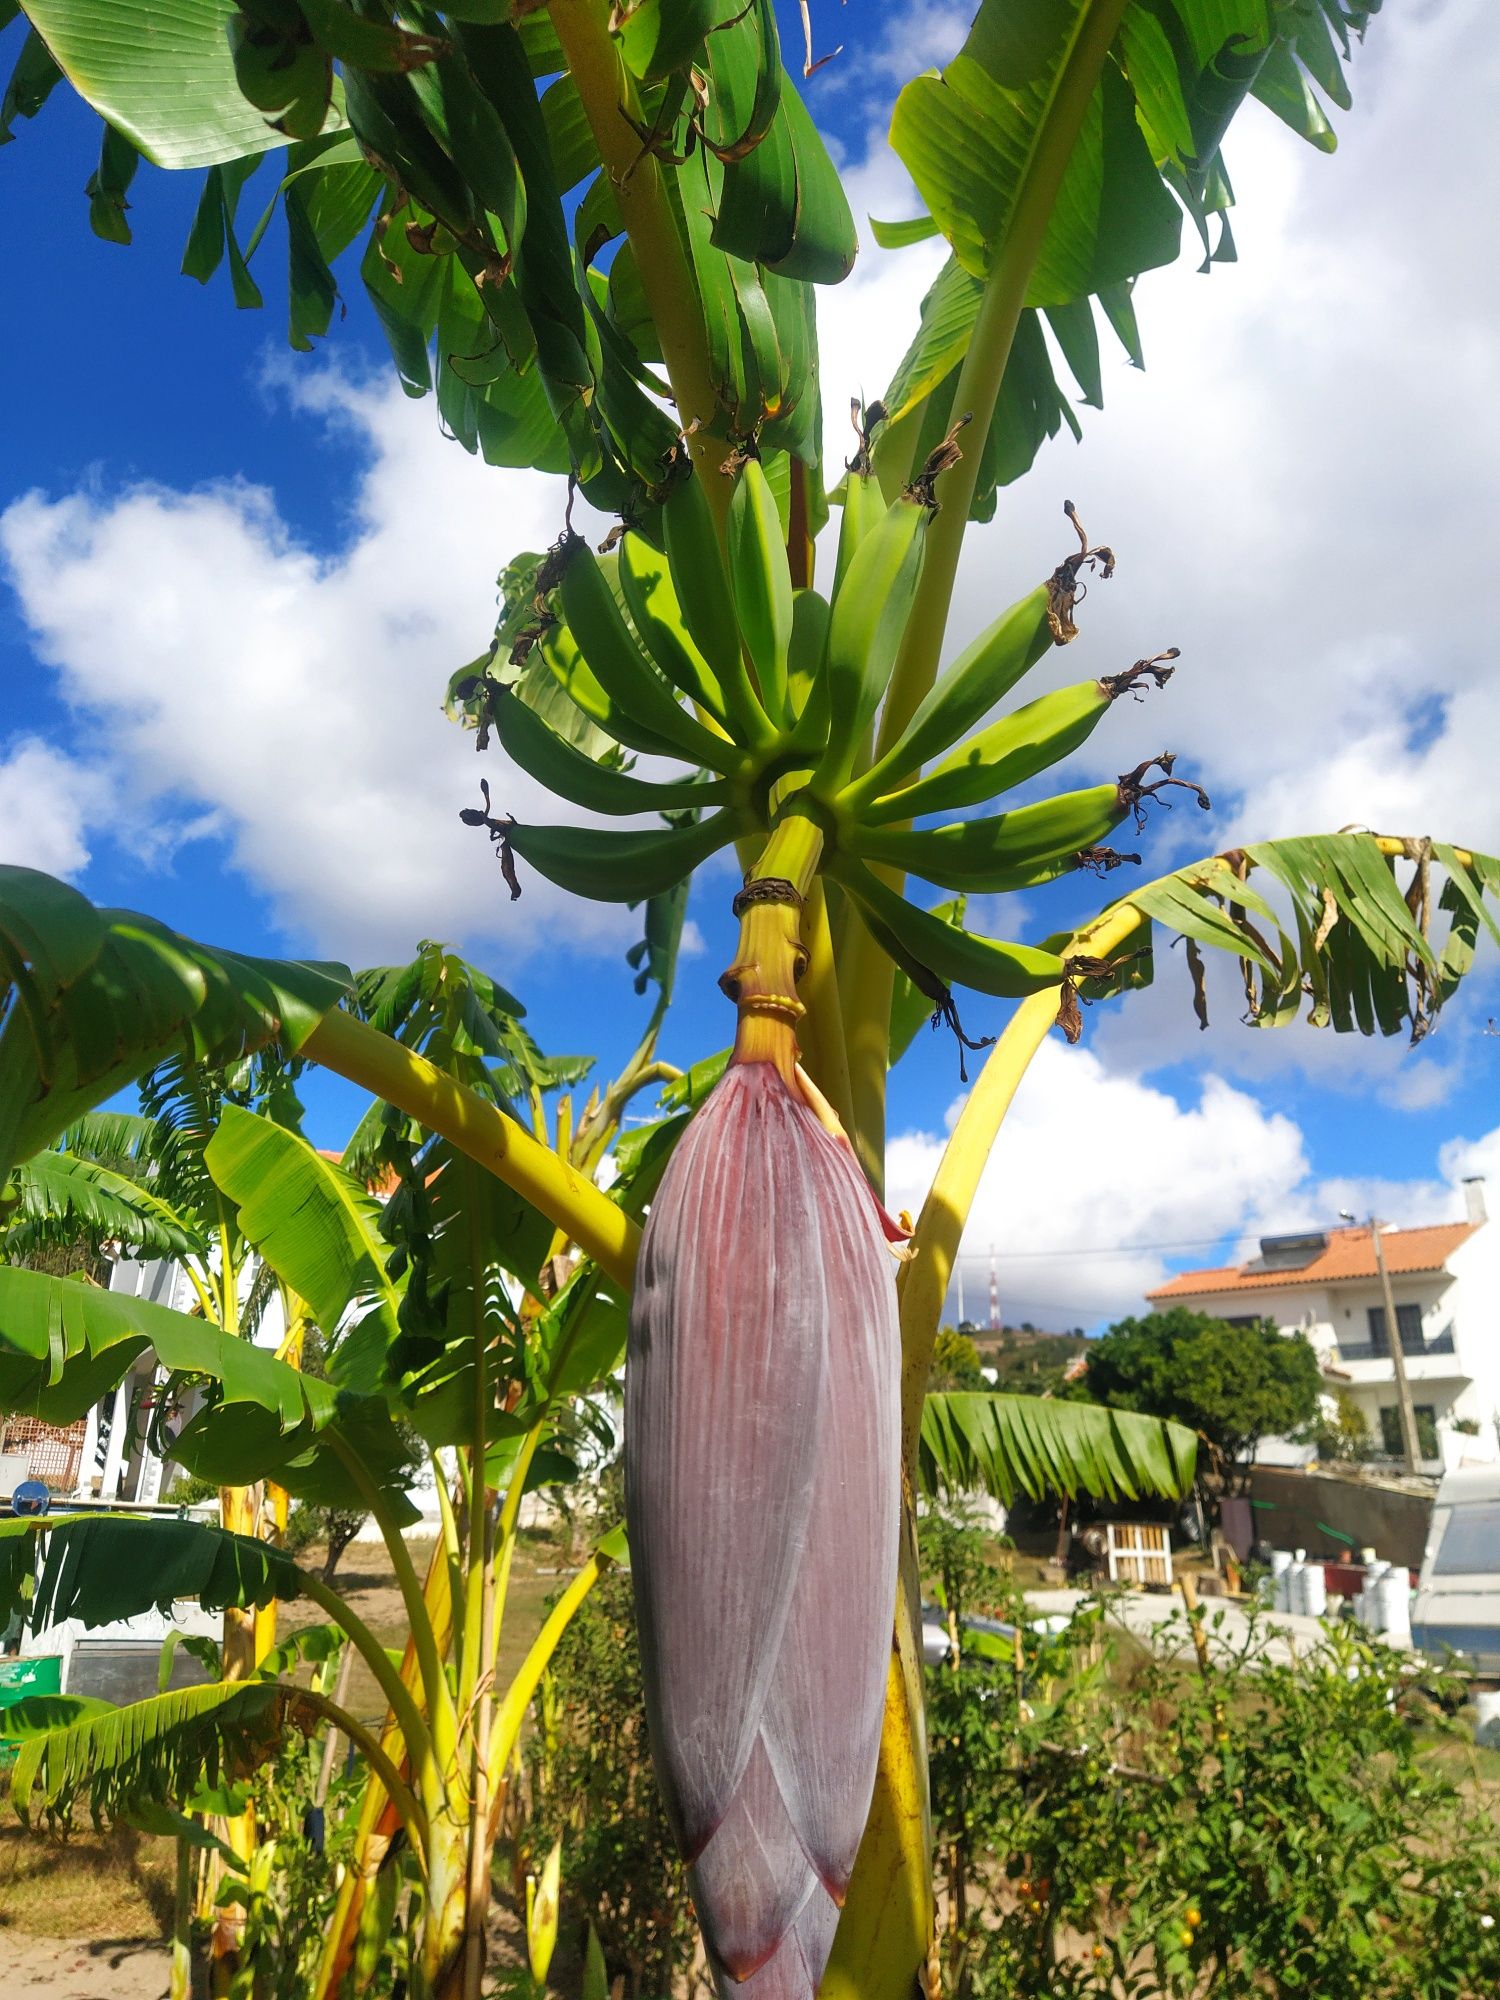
1117 1824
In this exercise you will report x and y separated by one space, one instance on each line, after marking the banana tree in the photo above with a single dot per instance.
613 277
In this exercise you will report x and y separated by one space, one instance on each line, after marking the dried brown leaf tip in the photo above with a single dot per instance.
1155 669
498 829
942 458
1065 588
866 418
1134 791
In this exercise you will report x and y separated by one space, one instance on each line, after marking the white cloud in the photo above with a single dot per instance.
227 670
1093 1168
1088 1161
50 804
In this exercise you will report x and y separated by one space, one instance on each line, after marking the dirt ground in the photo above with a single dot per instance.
34 1968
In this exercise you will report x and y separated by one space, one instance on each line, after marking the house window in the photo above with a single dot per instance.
1390 1430
1408 1325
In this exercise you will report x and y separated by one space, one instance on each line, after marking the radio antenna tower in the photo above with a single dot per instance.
995 1326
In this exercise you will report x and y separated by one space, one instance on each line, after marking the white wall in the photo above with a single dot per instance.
1464 1385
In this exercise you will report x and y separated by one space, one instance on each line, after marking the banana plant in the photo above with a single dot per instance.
1058 155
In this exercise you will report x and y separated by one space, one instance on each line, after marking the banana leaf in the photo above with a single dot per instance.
1008 1445
1364 949
976 141
315 1225
95 998
62 1197
164 1748
98 1568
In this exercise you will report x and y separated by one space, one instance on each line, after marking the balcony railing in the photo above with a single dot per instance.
1414 1345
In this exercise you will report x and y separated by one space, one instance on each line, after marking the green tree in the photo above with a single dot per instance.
1233 1385
955 1362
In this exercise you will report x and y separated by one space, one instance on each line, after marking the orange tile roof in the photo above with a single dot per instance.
1350 1254
384 1184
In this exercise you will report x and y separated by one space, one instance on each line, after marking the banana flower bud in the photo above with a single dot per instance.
762 1462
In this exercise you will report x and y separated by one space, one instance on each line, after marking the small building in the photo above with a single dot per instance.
1324 1284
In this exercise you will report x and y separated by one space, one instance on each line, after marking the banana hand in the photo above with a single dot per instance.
537 749
959 957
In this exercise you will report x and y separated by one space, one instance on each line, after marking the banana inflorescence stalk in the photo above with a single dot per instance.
763 1427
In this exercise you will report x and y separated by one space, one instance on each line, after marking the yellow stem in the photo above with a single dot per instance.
923 1282
407 1080
770 958
512 1710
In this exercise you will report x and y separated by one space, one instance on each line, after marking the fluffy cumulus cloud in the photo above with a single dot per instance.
293 696
1102 1182
1089 1161
50 804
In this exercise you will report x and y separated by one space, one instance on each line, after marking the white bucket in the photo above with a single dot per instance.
1393 1606
1365 1607
1314 1591
1281 1573
1487 1719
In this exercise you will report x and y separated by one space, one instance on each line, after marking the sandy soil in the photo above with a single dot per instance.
33 1968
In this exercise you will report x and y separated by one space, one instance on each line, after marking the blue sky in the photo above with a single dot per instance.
234 580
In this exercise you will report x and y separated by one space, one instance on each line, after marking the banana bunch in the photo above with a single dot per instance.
693 646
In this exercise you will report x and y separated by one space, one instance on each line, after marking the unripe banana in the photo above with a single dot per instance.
1018 745
980 675
865 630
1001 757
536 748
697 564
761 580
573 674
651 599
960 957
810 616
632 683
1004 851
864 505
625 865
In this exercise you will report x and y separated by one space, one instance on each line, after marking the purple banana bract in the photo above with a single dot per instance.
762 1462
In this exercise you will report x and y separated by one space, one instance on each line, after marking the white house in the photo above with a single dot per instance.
1324 1284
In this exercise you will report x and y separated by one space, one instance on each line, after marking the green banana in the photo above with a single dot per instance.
1003 851
571 671
1018 745
624 866
536 748
806 688
622 670
697 564
761 580
960 957
1007 753
981 674
864 504
865 630
651 599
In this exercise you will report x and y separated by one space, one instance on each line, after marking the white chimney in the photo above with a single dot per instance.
1474 1199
